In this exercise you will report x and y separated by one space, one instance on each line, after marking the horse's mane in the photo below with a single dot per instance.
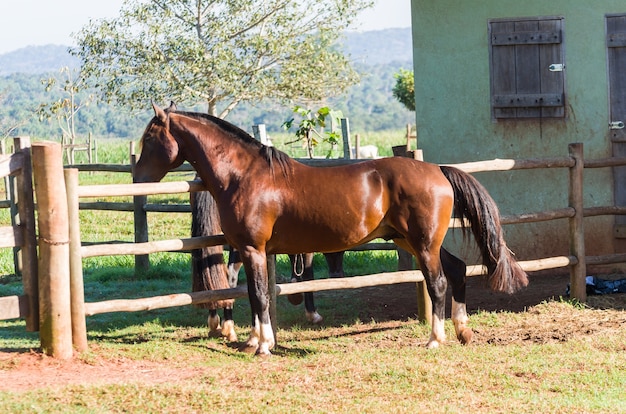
270 154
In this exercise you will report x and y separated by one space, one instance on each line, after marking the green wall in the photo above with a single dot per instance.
453 115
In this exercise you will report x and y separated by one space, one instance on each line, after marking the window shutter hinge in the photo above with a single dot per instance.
556 67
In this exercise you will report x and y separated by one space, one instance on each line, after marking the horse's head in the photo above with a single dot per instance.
160 151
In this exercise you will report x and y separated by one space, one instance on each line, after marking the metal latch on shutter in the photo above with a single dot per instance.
556 67
616 125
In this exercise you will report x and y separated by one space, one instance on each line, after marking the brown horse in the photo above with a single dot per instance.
270 203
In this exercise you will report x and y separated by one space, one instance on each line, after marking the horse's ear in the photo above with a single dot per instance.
159 113
172 107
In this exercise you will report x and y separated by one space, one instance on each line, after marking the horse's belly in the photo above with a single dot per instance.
292 238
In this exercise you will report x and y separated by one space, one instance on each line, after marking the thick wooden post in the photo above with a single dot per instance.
54 273
578 286
77 290
142 261
28 251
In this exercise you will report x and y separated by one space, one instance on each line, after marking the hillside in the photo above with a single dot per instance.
36 59
377 55
370 48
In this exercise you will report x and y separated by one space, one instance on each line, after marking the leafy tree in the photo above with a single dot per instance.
311 128
221 52
67 87
404 89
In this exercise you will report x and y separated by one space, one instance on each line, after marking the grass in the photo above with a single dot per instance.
358 361
348 366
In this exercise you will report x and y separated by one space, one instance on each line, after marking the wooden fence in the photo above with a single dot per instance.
21 235
65 251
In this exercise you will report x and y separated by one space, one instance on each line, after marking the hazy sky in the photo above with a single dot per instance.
40 22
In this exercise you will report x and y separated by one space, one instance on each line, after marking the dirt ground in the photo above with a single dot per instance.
388 305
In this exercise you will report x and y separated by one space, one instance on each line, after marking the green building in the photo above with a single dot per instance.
523 79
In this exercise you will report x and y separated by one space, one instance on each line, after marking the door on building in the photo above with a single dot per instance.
616 60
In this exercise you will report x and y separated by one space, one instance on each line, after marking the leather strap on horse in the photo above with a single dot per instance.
298 258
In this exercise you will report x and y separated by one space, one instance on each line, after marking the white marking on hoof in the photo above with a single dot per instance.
267 337
432 344
437 335
214 323
460 320
228 331
314 317
255 335
266 340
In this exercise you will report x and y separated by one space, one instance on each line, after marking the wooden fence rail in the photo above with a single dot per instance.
574 212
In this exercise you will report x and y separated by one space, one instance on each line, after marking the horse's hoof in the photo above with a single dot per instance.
465 336
314 317
248 349
232 337
228 331
432 344
214 323
295 299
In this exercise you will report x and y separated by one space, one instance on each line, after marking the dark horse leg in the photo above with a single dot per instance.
455 269
440 267
302 269
208 269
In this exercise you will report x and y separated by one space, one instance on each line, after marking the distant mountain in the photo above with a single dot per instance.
36 59
369 48
379 46
370 105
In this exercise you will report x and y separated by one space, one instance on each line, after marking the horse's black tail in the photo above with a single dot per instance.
207 264
473 202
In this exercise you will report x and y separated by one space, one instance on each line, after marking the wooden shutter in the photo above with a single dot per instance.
616 61
522 84
616 55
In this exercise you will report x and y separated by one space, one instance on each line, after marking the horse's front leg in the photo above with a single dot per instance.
261 337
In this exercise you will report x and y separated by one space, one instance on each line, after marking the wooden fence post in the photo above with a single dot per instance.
54 273
357 146
142 262
26 214
345 134
10 191
578 286
77 289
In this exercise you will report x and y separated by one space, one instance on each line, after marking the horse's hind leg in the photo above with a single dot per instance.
309 303
335 264
213 322
228 326
454 269
436 284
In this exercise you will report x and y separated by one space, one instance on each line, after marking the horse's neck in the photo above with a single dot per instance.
209 153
